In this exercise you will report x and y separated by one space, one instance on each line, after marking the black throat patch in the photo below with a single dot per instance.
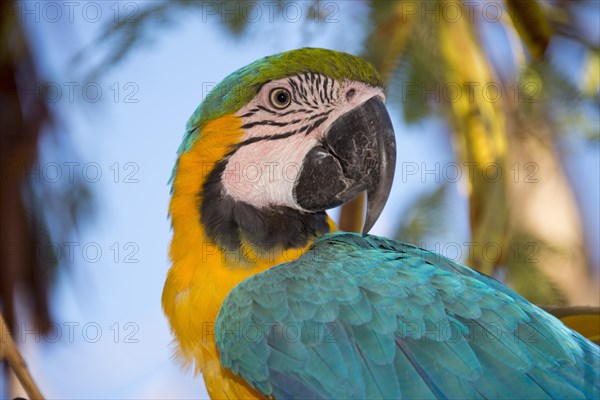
228 222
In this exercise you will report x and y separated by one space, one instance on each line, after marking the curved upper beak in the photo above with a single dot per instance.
357 153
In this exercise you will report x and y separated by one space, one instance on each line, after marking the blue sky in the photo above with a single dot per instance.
113 340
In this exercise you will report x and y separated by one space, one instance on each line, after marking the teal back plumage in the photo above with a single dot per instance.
366 317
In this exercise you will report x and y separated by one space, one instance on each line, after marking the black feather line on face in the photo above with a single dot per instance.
315 125
322 117
328 96
269 137
300 110
263 108
269 122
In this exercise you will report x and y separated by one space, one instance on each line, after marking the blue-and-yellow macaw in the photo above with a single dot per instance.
268 300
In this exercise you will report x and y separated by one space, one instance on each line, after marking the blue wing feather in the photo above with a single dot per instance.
367 317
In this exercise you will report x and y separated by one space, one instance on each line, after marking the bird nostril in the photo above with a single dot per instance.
350 94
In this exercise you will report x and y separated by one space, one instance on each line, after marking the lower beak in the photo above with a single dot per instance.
357 153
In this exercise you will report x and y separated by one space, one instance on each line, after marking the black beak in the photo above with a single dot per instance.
358 153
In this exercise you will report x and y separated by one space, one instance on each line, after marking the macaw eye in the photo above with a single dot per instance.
280 98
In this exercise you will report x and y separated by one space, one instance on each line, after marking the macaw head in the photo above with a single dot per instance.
313 134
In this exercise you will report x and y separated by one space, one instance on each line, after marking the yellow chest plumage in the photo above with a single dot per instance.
201 276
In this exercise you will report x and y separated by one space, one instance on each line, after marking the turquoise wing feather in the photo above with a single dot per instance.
366 317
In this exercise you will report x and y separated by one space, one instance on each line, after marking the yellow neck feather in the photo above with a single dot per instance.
201 277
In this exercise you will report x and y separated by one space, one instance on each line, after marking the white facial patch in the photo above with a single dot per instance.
263 171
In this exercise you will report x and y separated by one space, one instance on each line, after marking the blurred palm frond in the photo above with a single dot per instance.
37 213
514 133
